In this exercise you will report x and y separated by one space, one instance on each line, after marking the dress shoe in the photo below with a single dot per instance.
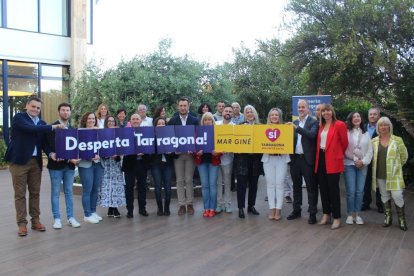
312 219
38 227
143 213
190 209
241 213
130 214
294 215
167 210
336 224
252 210
288 199
325 219
272 213
181 210
22 231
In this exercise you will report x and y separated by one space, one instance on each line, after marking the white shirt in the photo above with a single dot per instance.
227 157
184 119
299 148
324 136
146 122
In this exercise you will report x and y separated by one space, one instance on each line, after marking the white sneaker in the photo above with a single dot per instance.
73 222
359 220
349 220
57 224
90 219
95 215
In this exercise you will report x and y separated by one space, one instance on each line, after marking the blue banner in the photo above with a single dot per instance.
313 101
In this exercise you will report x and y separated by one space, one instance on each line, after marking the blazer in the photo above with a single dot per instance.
55 165
396 157
176 120
308 140
130 161
24 137
336 144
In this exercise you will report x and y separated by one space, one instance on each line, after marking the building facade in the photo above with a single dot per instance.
43 43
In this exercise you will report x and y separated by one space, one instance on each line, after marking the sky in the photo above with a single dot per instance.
206 31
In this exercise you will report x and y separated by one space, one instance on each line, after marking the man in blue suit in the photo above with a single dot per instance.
25 156
184 165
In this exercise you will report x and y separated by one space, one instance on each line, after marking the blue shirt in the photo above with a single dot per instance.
371 129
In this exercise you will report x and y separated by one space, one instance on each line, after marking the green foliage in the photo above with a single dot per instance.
158 79
3 149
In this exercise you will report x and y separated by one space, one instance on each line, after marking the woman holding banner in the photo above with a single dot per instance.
90 172
275 167
112 192
332 141
208 167
248 167
162 166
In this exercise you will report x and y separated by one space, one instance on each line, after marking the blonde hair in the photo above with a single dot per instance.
279 112
207 115
256 116
384 120
98 112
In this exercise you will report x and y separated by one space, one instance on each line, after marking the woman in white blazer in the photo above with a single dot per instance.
358 156
275 168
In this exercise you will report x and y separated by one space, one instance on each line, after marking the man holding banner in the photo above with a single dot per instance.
303 160
184 165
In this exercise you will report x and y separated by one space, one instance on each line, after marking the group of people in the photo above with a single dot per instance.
324 147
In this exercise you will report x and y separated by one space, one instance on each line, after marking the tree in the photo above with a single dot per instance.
357 49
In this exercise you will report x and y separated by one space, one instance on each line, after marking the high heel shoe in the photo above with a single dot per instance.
241 213
336 224
325 219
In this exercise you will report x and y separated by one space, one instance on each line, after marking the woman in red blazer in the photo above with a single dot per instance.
332 141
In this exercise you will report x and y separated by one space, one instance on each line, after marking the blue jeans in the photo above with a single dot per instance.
56 177
91 180
161 173
355 182
208 176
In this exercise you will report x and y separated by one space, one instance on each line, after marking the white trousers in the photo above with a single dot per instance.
386 195
275 172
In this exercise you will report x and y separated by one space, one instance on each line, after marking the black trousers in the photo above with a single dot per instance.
242 182
298 169
138 177
367 190
329 188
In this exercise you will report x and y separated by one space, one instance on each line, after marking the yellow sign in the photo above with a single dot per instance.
273 139
276 139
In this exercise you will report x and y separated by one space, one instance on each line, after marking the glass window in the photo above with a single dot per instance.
52 85
54 17
22 14
16 68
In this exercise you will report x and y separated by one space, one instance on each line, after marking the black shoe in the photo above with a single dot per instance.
110 212
143 213
130 214
116 213
294 215
241 213
167 210
160 212
380 209
365 208
266 198
252 210
288 199
312 219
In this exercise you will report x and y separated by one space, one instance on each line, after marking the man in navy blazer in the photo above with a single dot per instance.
25 156
184 165
303 161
